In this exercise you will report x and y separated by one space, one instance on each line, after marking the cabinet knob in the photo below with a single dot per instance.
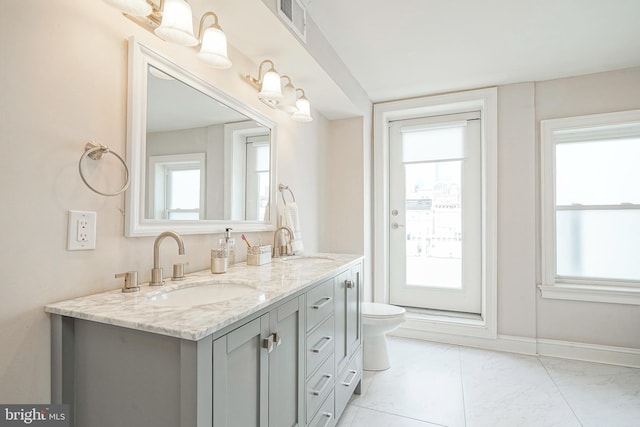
350 284
277 338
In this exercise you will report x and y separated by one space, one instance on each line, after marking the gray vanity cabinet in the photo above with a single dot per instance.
257 373
348 350
293 363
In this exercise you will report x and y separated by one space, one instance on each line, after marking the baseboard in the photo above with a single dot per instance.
611 355
506 343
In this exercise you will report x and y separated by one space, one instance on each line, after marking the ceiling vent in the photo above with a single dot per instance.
293 13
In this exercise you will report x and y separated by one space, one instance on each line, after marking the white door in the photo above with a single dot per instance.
435 213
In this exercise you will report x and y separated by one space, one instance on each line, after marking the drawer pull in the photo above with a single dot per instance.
326 301
267 343
326 340
328 416
348 383
324 386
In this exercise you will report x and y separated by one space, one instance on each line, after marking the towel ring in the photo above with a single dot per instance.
283 187
95 151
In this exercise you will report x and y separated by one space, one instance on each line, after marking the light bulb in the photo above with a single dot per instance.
271 89
213 49
177 23
132 7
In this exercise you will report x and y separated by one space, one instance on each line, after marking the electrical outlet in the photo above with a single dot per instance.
81 234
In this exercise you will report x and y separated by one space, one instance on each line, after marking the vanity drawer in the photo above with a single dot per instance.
320 344
320 302
347 382
318 388
326 415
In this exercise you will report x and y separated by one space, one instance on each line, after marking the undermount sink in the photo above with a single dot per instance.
201 294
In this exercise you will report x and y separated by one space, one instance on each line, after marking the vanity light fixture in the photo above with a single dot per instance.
270 90
288 103
177 23
303 113
275 95
213 44
132 7
172 20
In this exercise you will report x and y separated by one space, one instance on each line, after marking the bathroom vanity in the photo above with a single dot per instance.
273 345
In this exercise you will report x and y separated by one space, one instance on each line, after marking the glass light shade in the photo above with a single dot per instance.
304 111
132 7
213 49
271 89
177 23
288 102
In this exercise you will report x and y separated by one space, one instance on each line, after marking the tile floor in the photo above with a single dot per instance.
431 384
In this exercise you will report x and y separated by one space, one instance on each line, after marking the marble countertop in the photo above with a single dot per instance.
274 282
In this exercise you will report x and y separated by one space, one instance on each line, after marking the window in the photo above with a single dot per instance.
591 208
257 179
177 186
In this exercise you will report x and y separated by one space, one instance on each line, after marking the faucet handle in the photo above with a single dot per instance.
130 281
178 272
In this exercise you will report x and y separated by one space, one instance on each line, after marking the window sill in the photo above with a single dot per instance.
606 294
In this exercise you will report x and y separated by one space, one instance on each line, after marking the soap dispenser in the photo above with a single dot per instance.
229 244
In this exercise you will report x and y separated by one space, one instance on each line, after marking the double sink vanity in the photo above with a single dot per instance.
276 345
272 345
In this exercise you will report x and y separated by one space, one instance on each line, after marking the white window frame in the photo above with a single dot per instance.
485 101
552 286
158 191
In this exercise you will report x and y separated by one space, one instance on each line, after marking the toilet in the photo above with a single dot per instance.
377 320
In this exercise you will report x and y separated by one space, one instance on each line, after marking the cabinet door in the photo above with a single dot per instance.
286 374
240 376
353 307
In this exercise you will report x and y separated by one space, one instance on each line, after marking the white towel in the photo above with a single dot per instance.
289 218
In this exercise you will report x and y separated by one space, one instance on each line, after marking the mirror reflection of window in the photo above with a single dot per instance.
257 179
177 186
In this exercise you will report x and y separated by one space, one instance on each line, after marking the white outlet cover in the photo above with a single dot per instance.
81 231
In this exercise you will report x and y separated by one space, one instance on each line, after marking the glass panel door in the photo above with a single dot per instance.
435 198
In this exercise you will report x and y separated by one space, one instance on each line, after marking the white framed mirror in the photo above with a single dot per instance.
200 160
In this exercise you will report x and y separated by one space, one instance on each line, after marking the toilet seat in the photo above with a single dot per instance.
374 310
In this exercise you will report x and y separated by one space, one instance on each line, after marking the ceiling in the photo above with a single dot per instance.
408 48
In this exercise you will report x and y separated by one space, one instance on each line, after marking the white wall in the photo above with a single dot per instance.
65 82
521 312
516 211
345 184
594 323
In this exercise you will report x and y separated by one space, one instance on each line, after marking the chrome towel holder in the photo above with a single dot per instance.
95 151
283 187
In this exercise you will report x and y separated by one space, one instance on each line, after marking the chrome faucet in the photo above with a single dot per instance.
156 272
282 244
